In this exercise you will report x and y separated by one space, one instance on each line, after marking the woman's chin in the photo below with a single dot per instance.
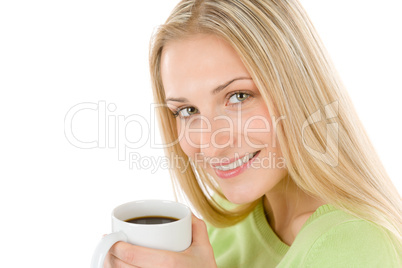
240 198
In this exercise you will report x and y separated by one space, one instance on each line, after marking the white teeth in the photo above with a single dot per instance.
236 163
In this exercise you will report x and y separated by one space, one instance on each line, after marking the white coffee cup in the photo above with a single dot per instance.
174 236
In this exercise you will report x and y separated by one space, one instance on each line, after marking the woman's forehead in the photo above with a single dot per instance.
198 62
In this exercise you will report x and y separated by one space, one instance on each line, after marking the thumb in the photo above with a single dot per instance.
199 230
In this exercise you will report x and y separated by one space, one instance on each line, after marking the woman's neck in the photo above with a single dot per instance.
287 208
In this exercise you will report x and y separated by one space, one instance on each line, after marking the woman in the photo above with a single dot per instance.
281 168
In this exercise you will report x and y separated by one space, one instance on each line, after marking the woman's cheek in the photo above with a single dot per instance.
187 141
257 129
190 131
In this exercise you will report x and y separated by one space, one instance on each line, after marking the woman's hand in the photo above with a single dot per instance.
199 254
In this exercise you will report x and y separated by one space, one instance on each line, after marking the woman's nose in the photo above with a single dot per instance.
211 133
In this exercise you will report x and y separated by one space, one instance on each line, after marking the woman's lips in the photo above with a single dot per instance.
226 161
226 174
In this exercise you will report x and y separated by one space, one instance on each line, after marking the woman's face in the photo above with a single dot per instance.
222 120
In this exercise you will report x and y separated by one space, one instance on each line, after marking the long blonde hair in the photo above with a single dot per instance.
288 63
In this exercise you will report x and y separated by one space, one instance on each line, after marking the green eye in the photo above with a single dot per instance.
191 110
238 97
188 111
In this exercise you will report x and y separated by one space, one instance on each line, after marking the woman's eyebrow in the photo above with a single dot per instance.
177 99
214 92
222 87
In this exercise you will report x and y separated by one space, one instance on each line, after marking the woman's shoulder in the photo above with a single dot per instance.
334 238
355 242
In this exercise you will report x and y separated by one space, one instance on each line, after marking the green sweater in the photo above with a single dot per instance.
329 238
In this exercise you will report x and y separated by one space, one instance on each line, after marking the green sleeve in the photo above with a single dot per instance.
355 243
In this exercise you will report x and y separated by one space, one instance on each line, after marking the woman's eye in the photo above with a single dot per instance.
238 97
186 112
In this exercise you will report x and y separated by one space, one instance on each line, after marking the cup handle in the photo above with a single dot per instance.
103 247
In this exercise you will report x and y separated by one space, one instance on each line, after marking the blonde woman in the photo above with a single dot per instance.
280 166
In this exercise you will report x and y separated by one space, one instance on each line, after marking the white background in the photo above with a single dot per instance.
56 198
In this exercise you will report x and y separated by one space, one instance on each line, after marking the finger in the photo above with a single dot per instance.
200 233
112 262
144 257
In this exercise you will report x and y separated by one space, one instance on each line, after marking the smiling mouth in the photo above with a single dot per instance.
237 163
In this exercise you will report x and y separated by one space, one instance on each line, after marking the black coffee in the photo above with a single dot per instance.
152 220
